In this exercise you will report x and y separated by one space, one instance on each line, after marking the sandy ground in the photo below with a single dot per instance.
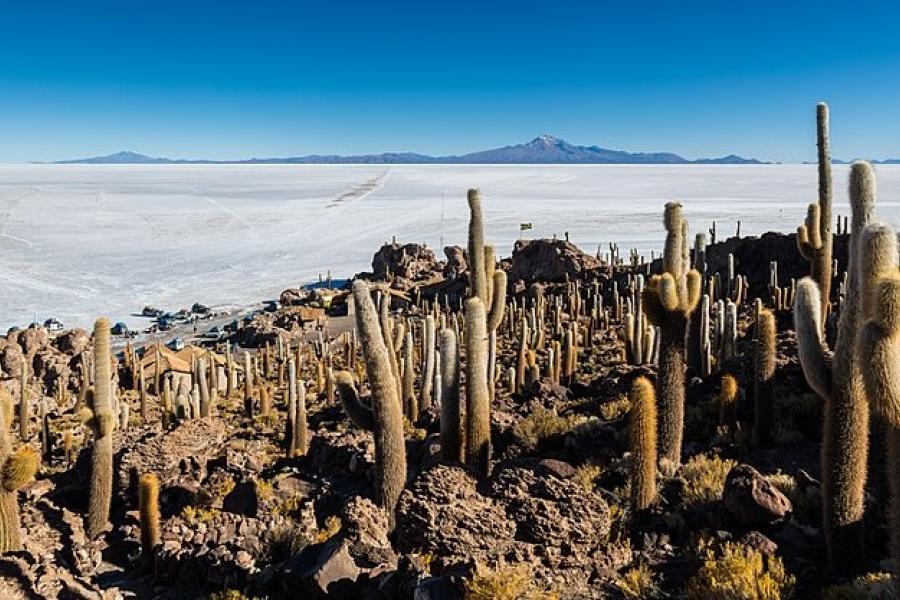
77 241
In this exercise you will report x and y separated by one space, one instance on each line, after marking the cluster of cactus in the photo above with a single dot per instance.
836 375
16 469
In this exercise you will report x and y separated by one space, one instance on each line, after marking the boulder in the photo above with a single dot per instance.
751 499
456 262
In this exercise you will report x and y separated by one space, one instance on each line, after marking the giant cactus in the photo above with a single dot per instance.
837 378
148 505
763 373
879 352
814 237
668 300
478 410
390 449
102 422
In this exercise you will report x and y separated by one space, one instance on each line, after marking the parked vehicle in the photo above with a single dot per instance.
176 344
53 325
120 328
151 312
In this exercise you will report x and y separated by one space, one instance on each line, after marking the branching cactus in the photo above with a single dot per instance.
16 469
102 423
668 300
390 449
148 504
814 236
837 377
642 441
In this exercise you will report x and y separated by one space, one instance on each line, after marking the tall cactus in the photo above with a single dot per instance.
838 380
102 423
390 449
428 374
879 350
452 423
642 441
814 237
478 413
669 299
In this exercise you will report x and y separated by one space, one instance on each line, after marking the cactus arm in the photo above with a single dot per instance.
498 301
359 414
813 351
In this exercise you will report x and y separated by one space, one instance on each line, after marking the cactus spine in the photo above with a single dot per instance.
390 449
642 441
148 504
838 381
102 423
668 300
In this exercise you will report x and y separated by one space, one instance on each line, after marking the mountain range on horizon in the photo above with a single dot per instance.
544 149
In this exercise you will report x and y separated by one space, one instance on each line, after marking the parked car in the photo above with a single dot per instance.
151 312
165 323
199 309
214 334
120 328
176 344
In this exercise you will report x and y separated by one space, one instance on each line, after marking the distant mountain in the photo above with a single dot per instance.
544 149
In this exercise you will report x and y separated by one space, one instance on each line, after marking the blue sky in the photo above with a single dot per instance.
278 78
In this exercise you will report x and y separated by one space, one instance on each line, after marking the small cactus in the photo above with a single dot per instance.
148 503
642 441
763 373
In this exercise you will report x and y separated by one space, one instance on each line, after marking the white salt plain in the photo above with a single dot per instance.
78 241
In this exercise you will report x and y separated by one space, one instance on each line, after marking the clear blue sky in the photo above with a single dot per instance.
224 79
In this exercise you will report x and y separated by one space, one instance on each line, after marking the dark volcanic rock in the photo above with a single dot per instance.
443 513
548 260
456 262
751 499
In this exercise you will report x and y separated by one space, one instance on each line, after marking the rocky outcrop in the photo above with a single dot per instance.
412 262
549 260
